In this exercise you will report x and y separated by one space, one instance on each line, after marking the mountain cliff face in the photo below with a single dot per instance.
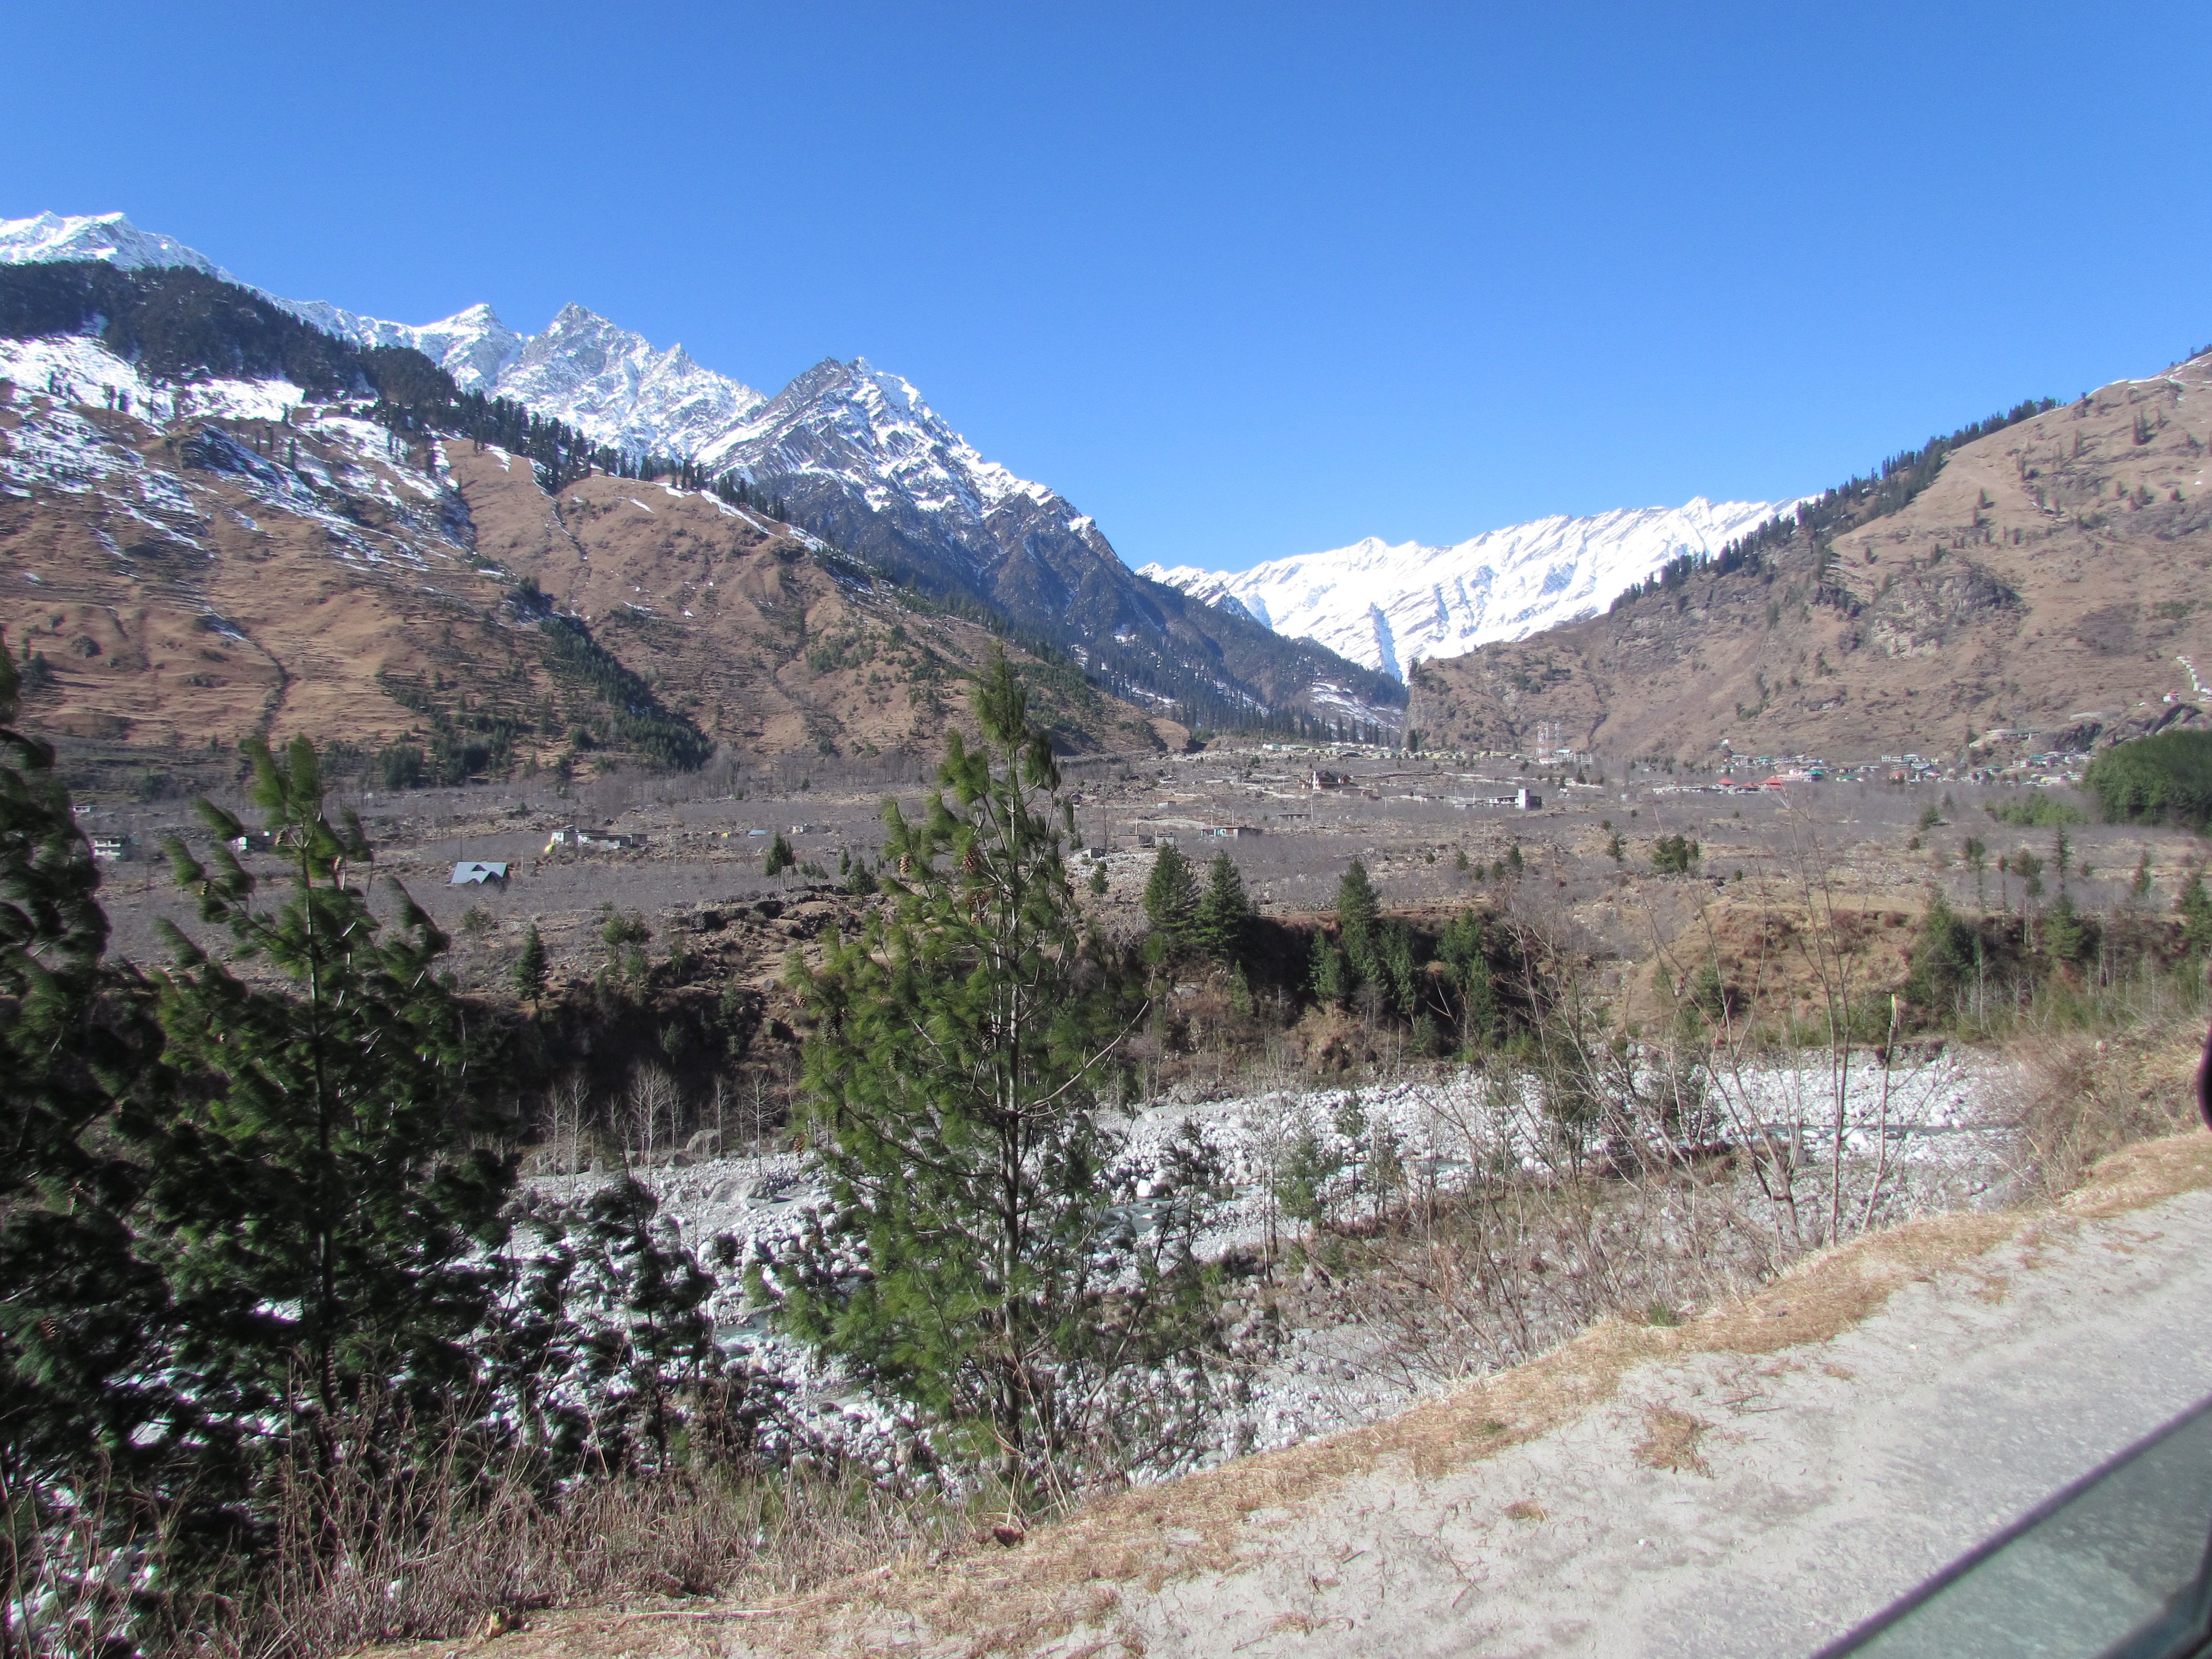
2047 590
1389 607
185 561
863 463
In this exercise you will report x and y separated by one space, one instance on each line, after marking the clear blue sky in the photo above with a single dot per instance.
1239 281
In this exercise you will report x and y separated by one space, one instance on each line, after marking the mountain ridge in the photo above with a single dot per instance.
862 460
1390 606
2031 584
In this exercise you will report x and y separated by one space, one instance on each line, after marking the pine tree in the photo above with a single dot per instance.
530 968
780 857
87 1400
1224 914
1358 921
1172 897
976 1265
2194 906
319 1188
1464 950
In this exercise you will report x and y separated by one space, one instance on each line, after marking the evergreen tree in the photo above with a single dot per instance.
530 968
319 1191
1464 950
780 857
974 1265
1172 897
86 1401
1330 974
2194 906
1358 921
1224 914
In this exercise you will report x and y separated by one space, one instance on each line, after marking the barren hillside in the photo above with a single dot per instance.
2049 583
179 570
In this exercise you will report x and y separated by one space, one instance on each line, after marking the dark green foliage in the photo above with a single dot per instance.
2037 812
780 857
179 325
629 716
1224 921
1310 1167
2163 778
82 1386
1943 957
2068 935
530 967
608 1308
320 1184
401 766
1465 953
2194 906
1330 975
1673 855
1172 897
975 1264
1358 917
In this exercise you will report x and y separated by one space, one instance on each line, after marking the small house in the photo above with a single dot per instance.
475 872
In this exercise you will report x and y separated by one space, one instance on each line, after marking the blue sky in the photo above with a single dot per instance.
1239 281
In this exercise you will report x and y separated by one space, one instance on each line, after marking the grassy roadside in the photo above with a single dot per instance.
2105 1128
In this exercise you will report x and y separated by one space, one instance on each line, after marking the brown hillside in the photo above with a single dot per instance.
2051 583
186 583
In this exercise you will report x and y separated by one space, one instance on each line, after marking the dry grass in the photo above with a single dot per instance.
484 1568
1066 1576
2087 1095
1007 1603
1670 1442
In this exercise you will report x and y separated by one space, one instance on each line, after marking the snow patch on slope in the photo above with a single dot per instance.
1391 606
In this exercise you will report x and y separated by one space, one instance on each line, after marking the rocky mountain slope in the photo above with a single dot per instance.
863 462
183 563
1389 606
2047 589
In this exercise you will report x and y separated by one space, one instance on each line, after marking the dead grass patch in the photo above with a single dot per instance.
1670 1442
1527 1508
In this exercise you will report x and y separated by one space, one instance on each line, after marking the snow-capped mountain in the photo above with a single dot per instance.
618 388
1389 607
614 386
46 237
854 423
863 461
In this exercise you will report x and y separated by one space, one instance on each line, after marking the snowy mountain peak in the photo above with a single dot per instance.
857 421
1390 606
47 238
618 388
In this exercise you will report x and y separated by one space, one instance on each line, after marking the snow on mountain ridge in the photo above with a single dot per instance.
1390 606
840 417
111 238
611 385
